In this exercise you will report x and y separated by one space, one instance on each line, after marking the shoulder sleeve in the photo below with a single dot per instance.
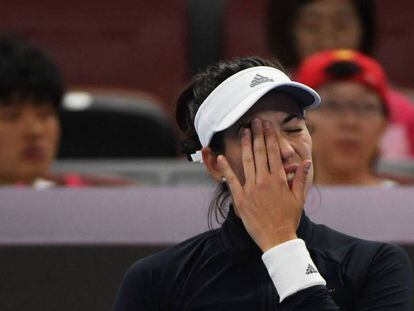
136 290
389 281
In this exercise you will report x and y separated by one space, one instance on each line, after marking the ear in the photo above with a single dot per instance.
210 161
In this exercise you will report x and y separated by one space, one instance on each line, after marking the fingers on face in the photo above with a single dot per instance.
300 181
260 152
259 149
266 148
247 156
272 148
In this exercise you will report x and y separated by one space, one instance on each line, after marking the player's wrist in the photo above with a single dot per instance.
291 268
277 239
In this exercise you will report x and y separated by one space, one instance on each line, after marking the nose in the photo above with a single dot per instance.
286 149
330 32
32 125
328 39
349 119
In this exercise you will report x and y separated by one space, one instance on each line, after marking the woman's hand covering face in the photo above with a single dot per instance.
269 205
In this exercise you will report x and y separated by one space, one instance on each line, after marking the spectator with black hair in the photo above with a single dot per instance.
31 94
31 90
299 28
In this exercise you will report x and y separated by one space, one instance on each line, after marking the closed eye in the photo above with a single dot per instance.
9 114
294 124
294 130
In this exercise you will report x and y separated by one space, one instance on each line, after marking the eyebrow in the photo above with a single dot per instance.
290 117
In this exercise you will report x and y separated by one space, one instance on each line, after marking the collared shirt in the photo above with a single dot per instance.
222 269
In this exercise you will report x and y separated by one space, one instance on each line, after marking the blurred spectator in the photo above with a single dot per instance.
299 28
31 90
353 115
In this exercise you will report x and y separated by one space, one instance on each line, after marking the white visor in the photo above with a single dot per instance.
229 101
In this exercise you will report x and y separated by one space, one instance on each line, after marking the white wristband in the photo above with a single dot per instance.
291 268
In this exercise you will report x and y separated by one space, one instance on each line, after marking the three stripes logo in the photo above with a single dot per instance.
259 79
310 269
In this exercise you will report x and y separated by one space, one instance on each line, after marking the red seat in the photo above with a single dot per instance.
245 29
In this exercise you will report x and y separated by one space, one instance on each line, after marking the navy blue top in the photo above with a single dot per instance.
222 269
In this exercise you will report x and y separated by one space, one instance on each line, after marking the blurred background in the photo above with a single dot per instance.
123 63
155 47
145 52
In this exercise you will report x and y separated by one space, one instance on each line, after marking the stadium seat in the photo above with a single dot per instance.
103 124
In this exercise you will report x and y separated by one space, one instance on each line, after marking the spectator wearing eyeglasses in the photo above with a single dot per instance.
353 116
300 28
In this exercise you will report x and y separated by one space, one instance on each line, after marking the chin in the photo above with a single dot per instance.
34 173
347 167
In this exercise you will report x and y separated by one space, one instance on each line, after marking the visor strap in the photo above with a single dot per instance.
197 156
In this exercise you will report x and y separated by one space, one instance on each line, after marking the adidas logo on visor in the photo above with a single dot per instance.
259 79
310 269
